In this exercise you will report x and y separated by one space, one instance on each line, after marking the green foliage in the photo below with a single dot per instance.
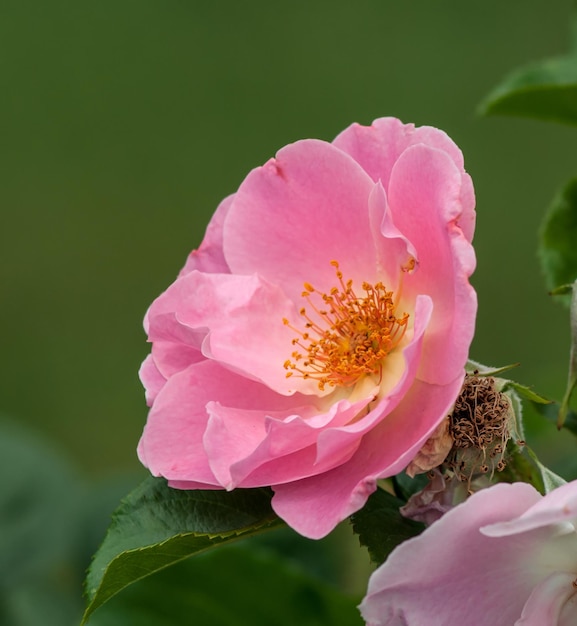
37 506
524 466
525 392
546 90
572 377
380 526
229 587
478 369
39 512
405 486
557 248
558 252
562 413
551 413
156 526
549 480
51 522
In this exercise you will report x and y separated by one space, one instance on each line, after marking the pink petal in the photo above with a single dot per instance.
172 442
377 147
298 212
171 358
161 323
258 448
568 611
558 506
151 378
547 600
240 319
315 505
452 573
191 484
209 256
424 199
393 250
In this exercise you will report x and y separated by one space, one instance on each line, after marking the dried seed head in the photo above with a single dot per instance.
480 426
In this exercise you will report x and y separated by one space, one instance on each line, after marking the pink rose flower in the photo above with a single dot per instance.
319 334
505 557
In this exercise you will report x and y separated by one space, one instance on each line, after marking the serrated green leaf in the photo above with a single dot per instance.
381 527
478 369
557 249
230 587
156 526
546 90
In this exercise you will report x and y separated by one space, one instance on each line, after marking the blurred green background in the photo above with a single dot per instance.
125 122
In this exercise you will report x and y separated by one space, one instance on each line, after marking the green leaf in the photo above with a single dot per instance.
558 235
230 587
546 90
524 466
405 486
562 290
551 413
572 377
549 479
478 369
156 526
381 527
525 392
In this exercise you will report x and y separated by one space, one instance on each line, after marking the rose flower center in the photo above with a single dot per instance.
349 336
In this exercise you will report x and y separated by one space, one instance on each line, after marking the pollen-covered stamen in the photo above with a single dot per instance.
349 335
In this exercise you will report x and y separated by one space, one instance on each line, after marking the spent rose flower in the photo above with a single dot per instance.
318 336
505 557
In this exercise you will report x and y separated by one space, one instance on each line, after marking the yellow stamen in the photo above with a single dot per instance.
351 336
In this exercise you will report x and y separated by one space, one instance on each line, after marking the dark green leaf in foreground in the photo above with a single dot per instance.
233 586
381 527
558 237
546 90
156 526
